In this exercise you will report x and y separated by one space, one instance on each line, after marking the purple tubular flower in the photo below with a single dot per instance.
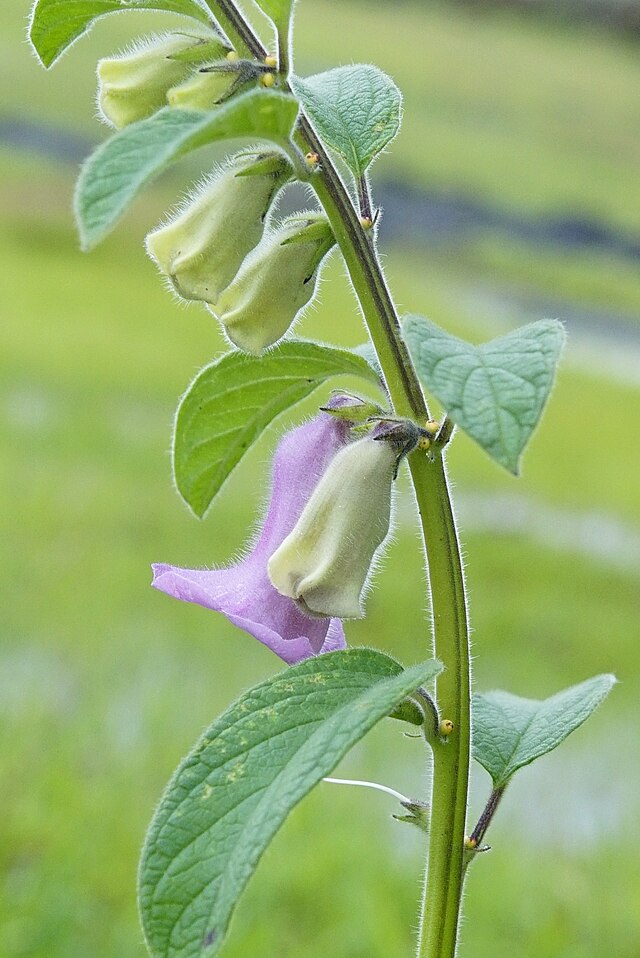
243 592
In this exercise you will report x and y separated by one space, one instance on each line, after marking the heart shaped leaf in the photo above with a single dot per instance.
510 732
230 796
230 402
55 24
355 111
116 172
495 392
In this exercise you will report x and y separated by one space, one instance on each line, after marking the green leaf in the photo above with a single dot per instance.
495 392
55 24
277 10
367 352
119 168
230 796
355 110
230 402
509 731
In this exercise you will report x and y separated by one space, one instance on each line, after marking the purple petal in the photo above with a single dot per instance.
243 592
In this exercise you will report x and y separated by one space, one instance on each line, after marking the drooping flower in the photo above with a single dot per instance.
324 562
275 282
201 248
243 592
134 84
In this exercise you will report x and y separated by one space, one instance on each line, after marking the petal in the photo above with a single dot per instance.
243 592
253 606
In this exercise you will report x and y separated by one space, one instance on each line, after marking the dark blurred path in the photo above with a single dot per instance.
437 219
413 214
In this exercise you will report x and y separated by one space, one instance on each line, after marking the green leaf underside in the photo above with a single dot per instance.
496 392
278 10
116 172
510 732
230 796
55 24
355 110
230 403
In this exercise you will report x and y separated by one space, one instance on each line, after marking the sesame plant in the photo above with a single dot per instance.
226 247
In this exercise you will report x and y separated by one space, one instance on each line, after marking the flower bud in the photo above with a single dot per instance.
134 85
201 249
324 562
275 282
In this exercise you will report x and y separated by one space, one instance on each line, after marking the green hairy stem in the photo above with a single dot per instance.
451 757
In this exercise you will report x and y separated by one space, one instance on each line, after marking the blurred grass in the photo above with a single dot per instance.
104 683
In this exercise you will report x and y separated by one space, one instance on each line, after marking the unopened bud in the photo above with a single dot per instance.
323 564
275 283
201 249
134 85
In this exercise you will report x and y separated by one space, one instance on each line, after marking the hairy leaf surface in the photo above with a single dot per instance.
230 796
355 110
55 24
230 403
510 732
116 172
495 392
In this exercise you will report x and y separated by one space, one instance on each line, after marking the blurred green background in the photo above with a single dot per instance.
511 194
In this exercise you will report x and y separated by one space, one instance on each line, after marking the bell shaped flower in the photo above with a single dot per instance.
324 562
243 592
201 248
134 85
275 282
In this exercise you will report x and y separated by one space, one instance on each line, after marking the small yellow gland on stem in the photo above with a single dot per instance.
232 56
366 222
470 843
432 426
446 727
267 80
271 61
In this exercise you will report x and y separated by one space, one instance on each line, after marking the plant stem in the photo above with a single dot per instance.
445 875
236 27
443 888
487 815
